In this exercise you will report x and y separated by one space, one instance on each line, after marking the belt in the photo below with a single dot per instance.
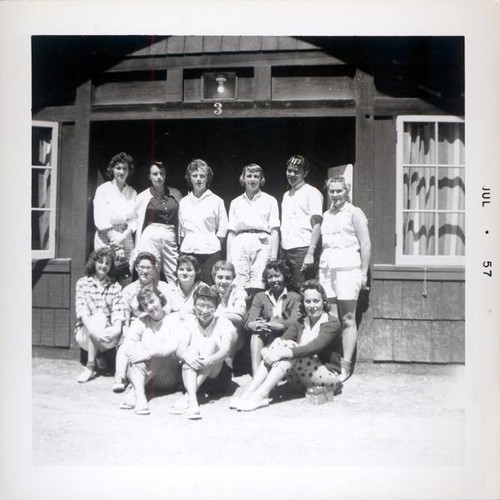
252 231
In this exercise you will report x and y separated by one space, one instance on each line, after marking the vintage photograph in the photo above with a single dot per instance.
250 248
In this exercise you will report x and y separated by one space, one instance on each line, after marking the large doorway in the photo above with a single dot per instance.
227 145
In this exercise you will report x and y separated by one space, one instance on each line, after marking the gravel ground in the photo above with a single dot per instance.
387 415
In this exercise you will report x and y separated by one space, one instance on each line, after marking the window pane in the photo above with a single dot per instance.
41 146
40 224
451 234
40 187
451 188
419 188
451 144
419 232
419 143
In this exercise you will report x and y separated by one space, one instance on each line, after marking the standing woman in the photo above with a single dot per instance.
114 207
157 219
344 261
253 237
202 219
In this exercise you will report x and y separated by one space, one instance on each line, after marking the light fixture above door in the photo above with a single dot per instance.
218 86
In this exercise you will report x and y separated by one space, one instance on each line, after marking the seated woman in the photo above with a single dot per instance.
233 299
272 310
204 346
150 347
308 354
99 310
145 267
187 281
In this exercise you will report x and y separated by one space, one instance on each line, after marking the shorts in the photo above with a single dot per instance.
343 284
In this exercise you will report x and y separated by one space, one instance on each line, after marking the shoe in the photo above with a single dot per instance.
346 370
180 407
129 402
86 375
119 385
252 405
193 413
142 410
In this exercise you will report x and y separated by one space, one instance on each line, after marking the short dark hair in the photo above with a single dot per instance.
312 285
146 292
145 256
191 259
281 266
98 255
208 293
298 161
120 158
199 165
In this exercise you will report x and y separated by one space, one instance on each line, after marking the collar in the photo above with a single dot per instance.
323 319
207 331
297 188
337 210
257 195
283 295
93 280
194 198
166 192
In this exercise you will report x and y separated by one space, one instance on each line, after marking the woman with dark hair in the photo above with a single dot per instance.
188 279
202 219
150 347
99 310
308 354
114 207
147 276
157 220
272 310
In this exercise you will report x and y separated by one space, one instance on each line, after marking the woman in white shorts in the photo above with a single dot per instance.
344 261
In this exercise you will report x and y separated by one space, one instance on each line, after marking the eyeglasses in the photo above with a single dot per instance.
145 268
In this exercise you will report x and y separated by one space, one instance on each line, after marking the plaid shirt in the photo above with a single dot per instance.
92 296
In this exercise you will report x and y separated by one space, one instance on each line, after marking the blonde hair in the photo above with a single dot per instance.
252 168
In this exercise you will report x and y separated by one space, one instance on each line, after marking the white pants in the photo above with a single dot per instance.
250 252
99 322
161 241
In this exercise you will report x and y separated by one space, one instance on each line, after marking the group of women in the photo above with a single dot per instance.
182 321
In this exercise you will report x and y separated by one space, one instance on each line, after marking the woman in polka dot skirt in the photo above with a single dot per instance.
308 353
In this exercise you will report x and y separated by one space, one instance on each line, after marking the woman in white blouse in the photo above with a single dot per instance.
114 207
202 219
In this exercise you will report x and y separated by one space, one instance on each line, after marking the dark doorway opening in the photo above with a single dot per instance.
227 145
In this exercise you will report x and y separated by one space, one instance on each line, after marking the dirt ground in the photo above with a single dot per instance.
387 414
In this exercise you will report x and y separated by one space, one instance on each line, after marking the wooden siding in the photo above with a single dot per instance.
312 88
51 303
401 324
178 45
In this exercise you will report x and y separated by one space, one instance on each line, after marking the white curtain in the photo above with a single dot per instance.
433 192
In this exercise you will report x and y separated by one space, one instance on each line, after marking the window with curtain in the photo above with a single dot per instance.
430 190
44 147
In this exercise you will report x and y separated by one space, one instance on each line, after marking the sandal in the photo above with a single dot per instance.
252 405
119 385
86 375
346 370
142 410
193 413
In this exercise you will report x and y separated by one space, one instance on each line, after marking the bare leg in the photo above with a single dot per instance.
256 346
256 381
138 380
347 310
276 374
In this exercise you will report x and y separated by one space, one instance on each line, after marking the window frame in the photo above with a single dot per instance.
50 252
419 260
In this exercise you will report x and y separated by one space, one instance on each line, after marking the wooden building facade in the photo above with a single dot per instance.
391 107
